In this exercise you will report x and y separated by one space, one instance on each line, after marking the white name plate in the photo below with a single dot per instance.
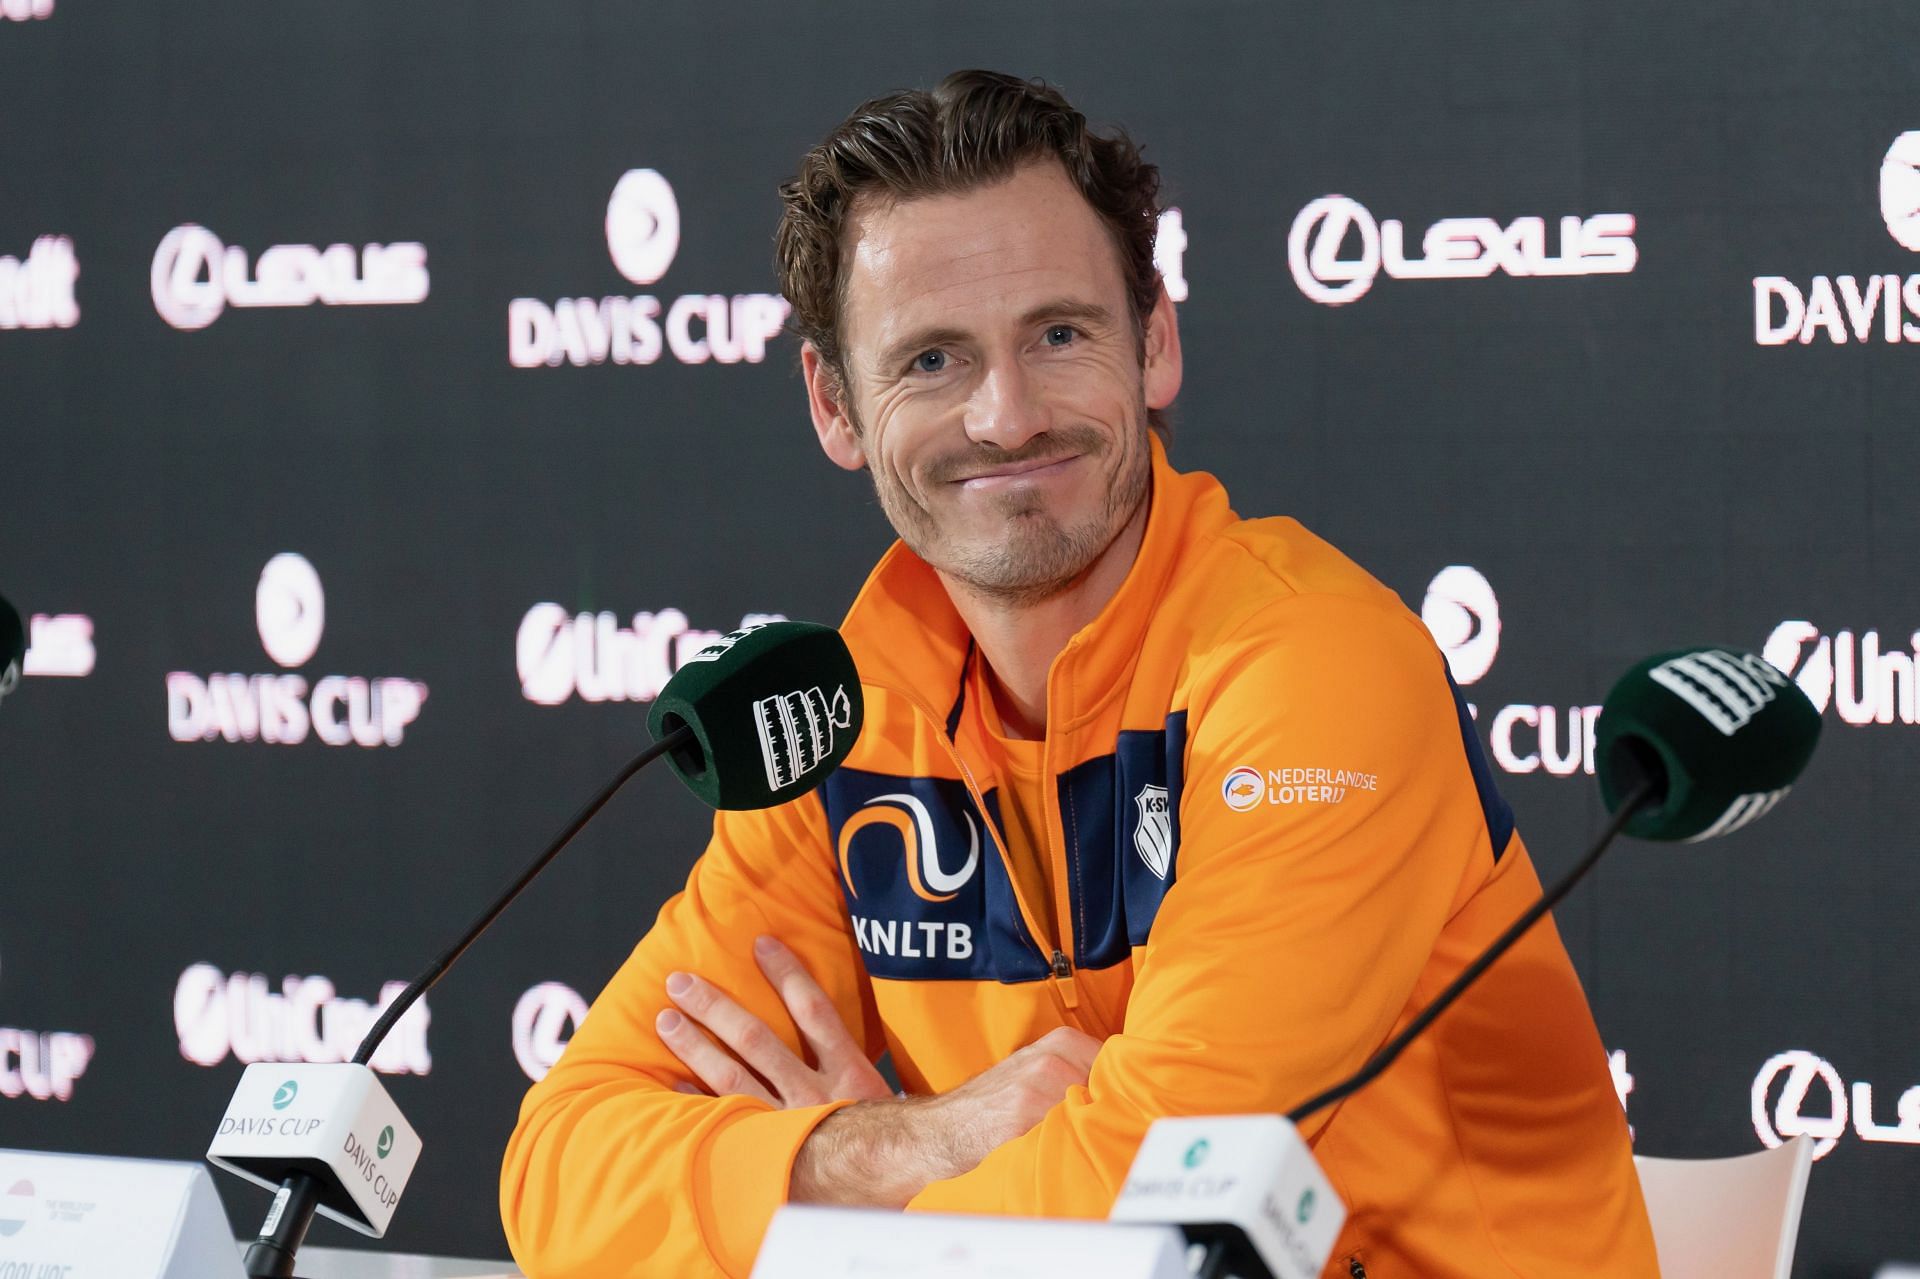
93 1217
829 1243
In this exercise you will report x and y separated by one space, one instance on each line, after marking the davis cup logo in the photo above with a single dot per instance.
1900 190
643 225
1463 615
1243 789
290 608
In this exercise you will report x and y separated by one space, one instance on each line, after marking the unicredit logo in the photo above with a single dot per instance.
37 293
1463 615
1867 680
217 1016
289 607
561 655
195 277
1451 249
543 1022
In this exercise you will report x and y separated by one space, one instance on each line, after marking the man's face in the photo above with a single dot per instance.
996 386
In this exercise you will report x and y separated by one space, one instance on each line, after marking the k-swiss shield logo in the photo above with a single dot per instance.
1153 834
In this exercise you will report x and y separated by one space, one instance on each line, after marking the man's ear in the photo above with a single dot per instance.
831 422
1160 362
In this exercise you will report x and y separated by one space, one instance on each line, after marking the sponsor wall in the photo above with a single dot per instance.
389 403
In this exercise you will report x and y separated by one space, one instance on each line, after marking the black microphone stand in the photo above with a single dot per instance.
270 1256
1213 1265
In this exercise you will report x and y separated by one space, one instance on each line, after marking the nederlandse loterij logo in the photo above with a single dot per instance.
15 1208
1452 249
1196 1153
283 1096
1463 615
1900 190
1243 788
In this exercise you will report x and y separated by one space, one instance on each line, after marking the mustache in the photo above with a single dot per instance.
1048 446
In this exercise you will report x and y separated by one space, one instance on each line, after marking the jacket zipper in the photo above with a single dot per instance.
1059 967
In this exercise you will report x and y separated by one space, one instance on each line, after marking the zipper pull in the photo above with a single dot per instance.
1063 978
1355 1269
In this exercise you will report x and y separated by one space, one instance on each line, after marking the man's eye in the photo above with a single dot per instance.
930 361
1060 335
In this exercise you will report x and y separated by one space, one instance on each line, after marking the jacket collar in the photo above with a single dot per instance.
908 638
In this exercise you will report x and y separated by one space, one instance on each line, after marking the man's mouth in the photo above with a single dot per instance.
1029 470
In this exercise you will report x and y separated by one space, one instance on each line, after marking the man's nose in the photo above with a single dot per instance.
1007 409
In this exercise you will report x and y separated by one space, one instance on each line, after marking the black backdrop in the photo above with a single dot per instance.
1626 459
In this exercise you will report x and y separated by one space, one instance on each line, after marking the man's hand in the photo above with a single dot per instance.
883 1150
770 1071
881 1154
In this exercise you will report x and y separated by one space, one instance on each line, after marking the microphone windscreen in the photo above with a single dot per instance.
774 708
13 648
1721 733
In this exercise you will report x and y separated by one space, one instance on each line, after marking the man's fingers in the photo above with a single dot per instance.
751 1039
812 1009
722 1075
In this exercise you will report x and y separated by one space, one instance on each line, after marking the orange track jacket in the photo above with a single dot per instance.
1272 838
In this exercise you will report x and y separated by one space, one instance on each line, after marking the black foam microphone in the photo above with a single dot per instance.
1719 733
1691 745
759 717
13 649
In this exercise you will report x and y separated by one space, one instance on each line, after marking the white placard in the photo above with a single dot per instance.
841 1243
1251 1172
92 1217
284 1117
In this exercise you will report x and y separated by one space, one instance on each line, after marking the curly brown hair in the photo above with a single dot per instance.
973 129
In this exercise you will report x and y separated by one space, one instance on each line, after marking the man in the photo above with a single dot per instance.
1156 811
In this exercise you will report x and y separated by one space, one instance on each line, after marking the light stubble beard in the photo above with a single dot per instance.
1038 558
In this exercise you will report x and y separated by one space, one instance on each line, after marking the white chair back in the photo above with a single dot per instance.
1732 1218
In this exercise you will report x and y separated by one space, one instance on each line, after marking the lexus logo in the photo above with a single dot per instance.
1811 1101
1313 250
1900 190
1451 249
543 1022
